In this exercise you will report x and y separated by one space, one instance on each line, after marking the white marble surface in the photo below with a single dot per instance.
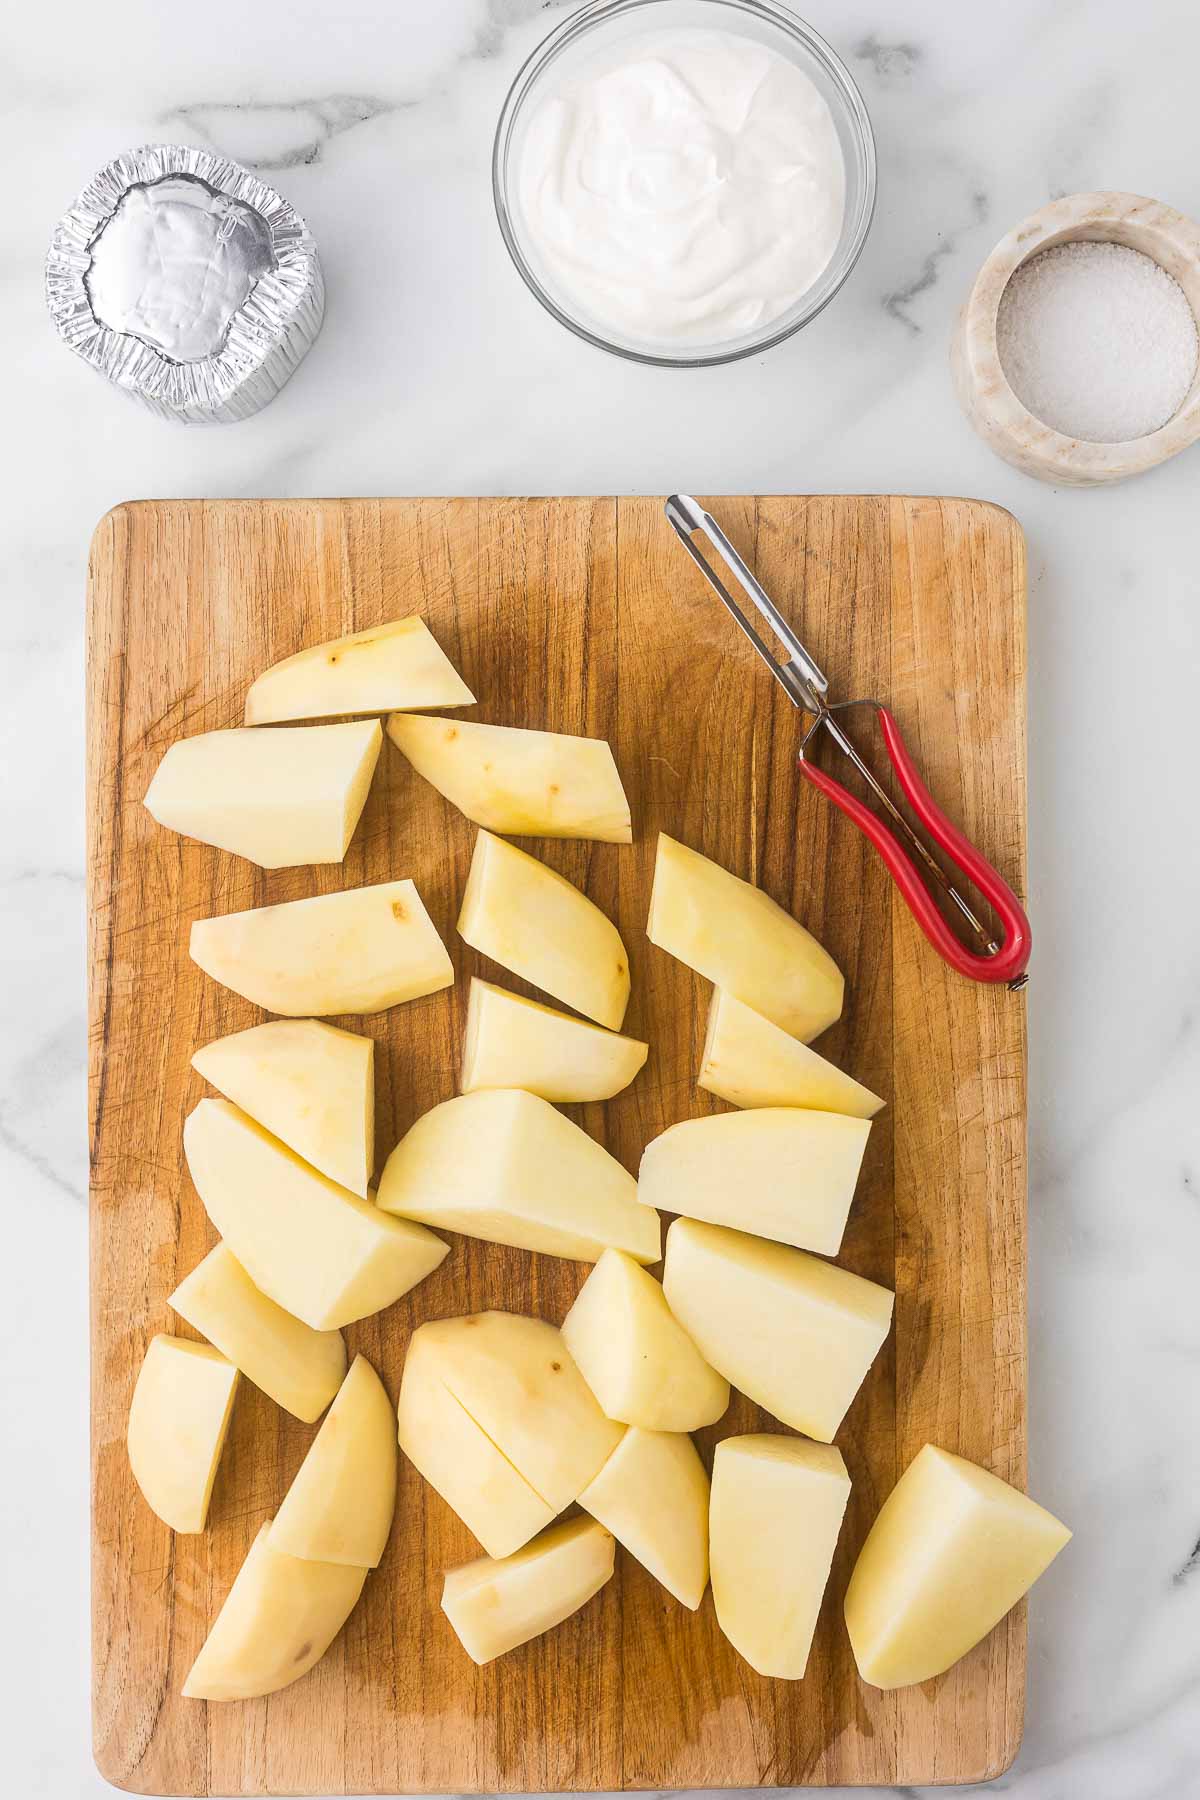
436 373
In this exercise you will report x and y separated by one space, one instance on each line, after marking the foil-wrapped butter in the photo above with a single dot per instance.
186 281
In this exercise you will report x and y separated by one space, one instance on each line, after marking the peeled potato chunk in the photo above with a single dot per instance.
779 1172
652 1494
399 664
750 1062
315 1248
308 1084
512 1042
501 1164
359 951
495 1606
301 1369
740 939
527 783
182 1405
515 1378
791 1332
952 1550
532 921
340 1504
635 1356
777 1507
278 798
279 1618
459 1460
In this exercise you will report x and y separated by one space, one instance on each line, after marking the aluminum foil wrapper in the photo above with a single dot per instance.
187 281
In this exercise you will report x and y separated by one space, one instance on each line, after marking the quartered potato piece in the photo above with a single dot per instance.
791 1332
278 798
750 1062
780 1172
308 1084
534 922
499 1420
340 1504
740 939
952 1550
458 1458
322 1252
635 1355
359 951
652 1494
182 1405
301 1369
399 664
526 783
279 1618
503 1165
777 1506
495 1606
512 1042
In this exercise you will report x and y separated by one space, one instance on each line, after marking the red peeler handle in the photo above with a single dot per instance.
1011 959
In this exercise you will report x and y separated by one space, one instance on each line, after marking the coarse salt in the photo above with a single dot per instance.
1097 341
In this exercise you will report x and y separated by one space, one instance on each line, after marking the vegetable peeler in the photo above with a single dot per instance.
1002 958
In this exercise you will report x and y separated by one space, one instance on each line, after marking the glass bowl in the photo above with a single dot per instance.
602 23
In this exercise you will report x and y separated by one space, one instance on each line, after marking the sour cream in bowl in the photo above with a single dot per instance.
684 181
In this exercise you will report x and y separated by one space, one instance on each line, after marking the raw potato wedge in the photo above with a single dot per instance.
792 1333
779 1172
279 1618
512 1042
278 798
532 921
952 1550
635 1356
515 1378
299 1368
777 1508
340 1504
399 664
359 951
495 1606
526 783
308 1084
311 1246
652 1494
182 1405
459 1460
501 1164
750 1062
740 939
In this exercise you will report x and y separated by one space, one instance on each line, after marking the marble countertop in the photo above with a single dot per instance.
436 373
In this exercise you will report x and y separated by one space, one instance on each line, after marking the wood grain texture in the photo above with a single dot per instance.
581 616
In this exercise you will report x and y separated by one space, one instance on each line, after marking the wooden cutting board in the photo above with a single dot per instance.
581 615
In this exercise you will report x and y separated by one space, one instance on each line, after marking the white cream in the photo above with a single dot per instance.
683 187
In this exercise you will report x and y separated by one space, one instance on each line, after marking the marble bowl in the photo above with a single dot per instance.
1004 424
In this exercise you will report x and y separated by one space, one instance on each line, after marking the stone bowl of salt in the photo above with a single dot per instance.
1076 355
